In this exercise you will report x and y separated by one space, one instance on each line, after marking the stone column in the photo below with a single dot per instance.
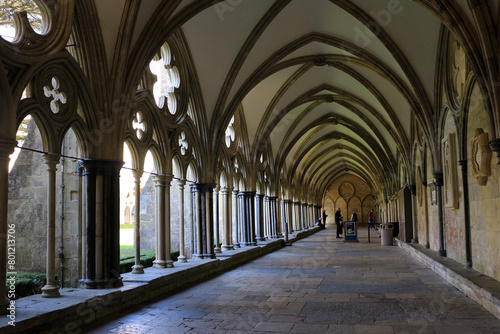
468 242
6 148
236 219
217 248
243 220
311 215
273 217
248 215
82 236
137 268
296 216
204 220
51 289
413 190
198 222
285 219
103 223
160 183
438 177
304 216
227 233
279 217
259 216
182 256
192 218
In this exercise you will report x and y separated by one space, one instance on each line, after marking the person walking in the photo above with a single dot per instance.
338 222
370 220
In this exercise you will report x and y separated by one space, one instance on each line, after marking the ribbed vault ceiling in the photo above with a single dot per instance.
328 85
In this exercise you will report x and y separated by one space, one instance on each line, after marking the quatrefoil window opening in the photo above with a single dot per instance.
139 125
230 133
183 143
168 79
58 97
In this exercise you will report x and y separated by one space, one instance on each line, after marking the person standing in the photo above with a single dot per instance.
338 222
354 216
324 219
370 220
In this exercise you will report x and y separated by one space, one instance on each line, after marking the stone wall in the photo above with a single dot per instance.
28 208
348 192
484 200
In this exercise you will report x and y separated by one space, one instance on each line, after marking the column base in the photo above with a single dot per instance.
108 283
237 245
159 264
227 247
50 291
182 259
414 241
170 263
138 269
261 239
217 250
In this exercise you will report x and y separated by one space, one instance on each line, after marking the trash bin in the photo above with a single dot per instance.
386 234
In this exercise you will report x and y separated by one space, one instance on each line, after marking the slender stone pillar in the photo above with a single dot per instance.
236 219
311 216
192 218
265 209
317 212
160 183
304 216
259 216
295 216
6 148
413 190
82 234
217 248
168 230
248 215
198 222
51 289
279 217
182 256
103 223
227 233
438 177
468 242
137 268
273 216
204 220
286 220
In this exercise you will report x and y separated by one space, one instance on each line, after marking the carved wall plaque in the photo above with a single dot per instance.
481 157
346 190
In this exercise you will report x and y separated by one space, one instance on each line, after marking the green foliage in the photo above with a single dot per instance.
9 7
27 284
127 257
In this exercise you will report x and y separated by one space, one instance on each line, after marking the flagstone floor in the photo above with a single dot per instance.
319 285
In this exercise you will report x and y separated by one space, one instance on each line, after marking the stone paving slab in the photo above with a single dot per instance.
319 285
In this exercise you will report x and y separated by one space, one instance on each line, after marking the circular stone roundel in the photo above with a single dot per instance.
346 189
